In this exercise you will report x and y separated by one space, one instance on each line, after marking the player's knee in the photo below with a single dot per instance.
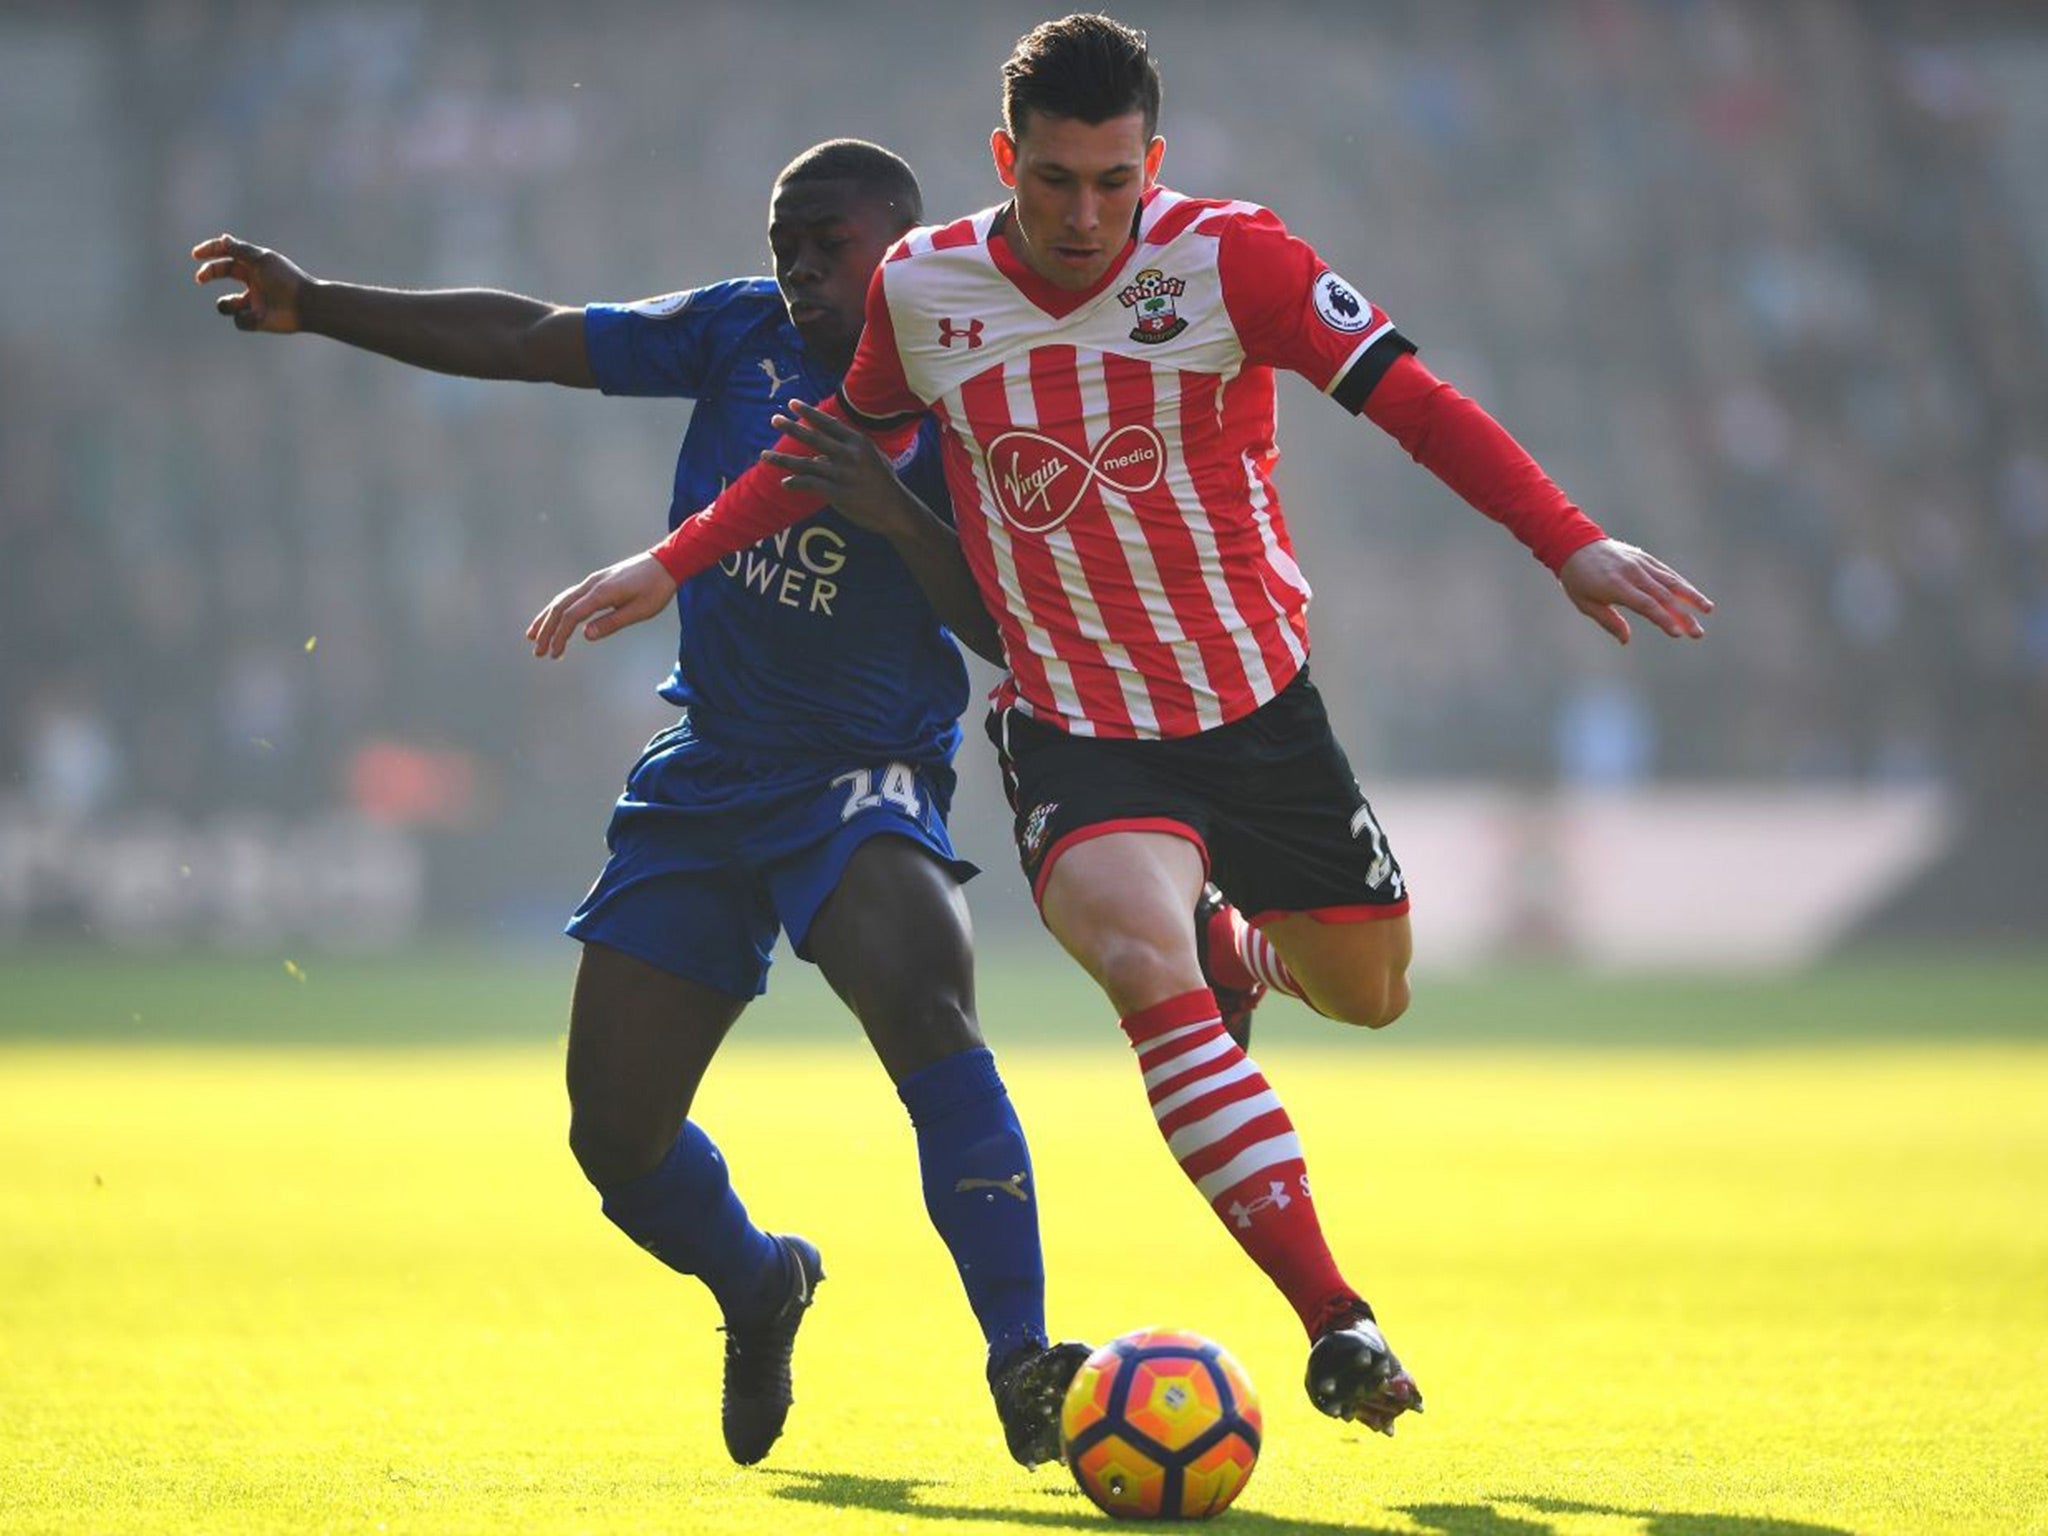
943 1025
1134 966
1371 1001
910 1033
612 1152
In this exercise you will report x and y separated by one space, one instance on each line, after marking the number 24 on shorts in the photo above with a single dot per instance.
898 787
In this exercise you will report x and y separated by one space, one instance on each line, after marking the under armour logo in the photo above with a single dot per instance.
1013 1186
970 333
1276 1198
775 380
1034 480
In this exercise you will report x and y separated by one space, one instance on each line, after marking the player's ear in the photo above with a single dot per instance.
1155 152
1004 149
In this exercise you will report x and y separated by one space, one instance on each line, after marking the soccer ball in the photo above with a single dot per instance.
1161 1424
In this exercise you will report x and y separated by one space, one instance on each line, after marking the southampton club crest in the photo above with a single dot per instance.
1151 294
1031 838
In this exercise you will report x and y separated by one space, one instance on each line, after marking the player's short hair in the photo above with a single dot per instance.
1087 67
879 173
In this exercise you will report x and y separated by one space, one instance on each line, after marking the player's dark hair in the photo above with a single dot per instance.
878 173
1090 68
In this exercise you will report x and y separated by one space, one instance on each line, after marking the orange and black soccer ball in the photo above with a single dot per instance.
1161 1424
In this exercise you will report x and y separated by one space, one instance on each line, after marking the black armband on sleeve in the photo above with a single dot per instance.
1369 368
873 424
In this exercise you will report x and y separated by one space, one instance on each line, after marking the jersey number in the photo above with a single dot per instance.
899 788
1363 820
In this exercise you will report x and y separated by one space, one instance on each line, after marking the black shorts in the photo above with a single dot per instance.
1270 799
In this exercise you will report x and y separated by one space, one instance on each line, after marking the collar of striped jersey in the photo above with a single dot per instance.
1054 300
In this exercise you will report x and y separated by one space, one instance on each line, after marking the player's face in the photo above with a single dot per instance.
827 237
1077 188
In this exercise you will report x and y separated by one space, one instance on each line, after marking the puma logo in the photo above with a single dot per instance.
1012 1186
775 380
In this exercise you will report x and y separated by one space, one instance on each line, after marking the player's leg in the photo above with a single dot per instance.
893 938
1095 827
639 1042
1303 854
1118 904
676 942
1352 1373
640 1039
1238 963
1347 966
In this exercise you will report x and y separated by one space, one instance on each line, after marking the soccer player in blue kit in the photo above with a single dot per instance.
804 787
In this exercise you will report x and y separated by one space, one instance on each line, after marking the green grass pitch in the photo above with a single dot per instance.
1686 1259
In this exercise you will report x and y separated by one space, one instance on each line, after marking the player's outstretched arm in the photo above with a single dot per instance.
603 602
478 333
849 471
1607 576
1459 443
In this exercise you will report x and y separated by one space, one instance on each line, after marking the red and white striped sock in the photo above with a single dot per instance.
1238 955
1232 1138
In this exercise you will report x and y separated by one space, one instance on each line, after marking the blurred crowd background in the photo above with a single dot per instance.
1764 285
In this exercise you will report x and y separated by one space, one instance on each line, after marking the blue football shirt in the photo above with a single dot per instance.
817 639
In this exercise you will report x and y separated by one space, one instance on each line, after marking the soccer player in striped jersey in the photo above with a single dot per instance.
1101 352
804 787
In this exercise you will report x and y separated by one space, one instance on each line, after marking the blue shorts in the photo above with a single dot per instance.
715 849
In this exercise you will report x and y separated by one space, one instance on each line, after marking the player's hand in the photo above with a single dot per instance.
268 299
1607 576
845 467
603 602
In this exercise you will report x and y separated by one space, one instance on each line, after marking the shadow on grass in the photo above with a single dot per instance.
1488 1519
913 1498
1067 1508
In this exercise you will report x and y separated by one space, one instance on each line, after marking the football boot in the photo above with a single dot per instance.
1029 1384
757 1384
1352 1374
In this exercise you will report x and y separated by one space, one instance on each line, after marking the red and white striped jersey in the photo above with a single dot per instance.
1110 452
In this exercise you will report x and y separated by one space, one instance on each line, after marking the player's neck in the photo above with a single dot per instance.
833 360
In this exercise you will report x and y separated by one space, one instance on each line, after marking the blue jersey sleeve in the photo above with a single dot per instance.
663 346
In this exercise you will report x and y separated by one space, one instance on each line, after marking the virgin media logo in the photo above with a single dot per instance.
1039 481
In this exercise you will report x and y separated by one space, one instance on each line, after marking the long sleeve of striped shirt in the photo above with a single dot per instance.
1454 438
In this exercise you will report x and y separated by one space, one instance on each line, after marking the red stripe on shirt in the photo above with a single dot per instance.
875 385
1099 537
1096 562
956 234
1245 406
1175 221
1184 570
1027 667
1261 592
985 402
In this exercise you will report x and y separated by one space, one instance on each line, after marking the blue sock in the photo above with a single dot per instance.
979 1192
686 1215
